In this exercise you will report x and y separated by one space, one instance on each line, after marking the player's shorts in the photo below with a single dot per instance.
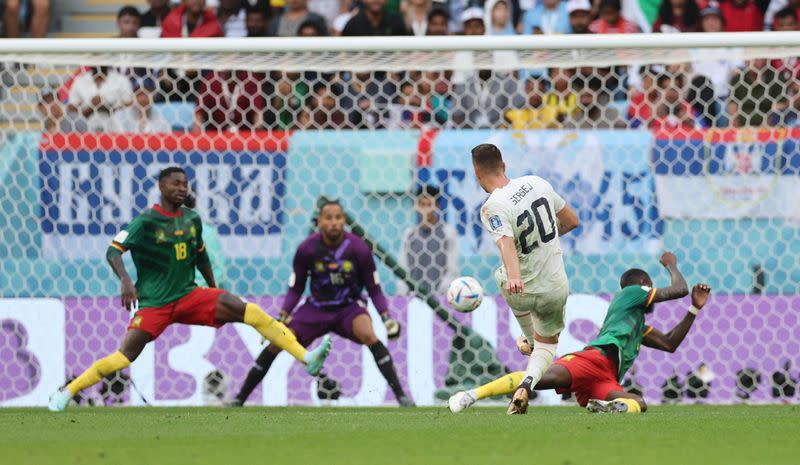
594 376
198 307
311 321
546 309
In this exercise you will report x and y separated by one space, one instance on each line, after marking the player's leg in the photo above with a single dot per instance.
231 309
503 385
305 324
547 313
133 344
363 333
618 401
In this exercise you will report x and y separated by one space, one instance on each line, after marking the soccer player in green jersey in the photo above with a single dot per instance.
166 243
594 374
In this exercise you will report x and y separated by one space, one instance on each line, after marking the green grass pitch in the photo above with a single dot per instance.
727 435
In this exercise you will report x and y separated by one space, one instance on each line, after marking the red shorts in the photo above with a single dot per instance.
594 376
198 307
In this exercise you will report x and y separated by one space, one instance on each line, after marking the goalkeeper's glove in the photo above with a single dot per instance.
392 326
283 317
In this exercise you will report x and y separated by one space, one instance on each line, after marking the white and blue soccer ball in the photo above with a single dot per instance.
465 294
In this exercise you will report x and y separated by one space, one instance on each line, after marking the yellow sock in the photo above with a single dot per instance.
99 370
633 406
504 385
274 331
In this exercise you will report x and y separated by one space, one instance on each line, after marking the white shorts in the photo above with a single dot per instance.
545 309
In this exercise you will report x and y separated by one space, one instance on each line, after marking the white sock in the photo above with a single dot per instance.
539 361
525 321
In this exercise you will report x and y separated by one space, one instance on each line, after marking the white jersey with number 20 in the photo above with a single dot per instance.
525 209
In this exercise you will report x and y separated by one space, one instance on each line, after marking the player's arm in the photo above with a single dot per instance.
567 220
369 276
203 260
495 218
297 284
508 253
670 341
678 287
121 243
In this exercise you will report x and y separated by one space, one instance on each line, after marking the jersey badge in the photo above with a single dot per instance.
347 266
137 321
161 236
319 267
494 222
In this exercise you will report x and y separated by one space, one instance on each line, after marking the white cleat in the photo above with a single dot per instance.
606 406
59 400
461 401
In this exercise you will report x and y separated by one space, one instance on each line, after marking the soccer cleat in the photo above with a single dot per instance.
406 401
59 400
461 401
519 403
316 358
606 406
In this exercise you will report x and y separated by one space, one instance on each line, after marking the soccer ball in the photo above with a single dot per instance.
465 294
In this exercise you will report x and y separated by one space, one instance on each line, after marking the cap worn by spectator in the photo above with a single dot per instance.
472 20
578 5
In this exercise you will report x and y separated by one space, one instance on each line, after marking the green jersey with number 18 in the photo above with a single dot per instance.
164 248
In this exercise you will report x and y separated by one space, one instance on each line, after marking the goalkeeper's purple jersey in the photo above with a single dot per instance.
338 275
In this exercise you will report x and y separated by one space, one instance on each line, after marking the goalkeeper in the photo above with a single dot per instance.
594 373
341 266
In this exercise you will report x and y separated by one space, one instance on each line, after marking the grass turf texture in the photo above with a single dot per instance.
297 436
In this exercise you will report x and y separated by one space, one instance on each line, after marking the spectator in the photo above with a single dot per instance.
154 17
323 108
611 20
338 24
532 116
191 19
438 21
372 20
498 17
56 117
593 111
311 28
580 16
231 101
286 25
232 16
672 111
416 15
40 18
678 16
430 247
711 19
548 17
776 6
128 22
96 93
742 16
288 98
561 101
472 21
785 20
643 102
140 117
435 87
480 101
758 91
366 96
256 22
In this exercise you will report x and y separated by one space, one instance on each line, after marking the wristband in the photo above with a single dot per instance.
693 310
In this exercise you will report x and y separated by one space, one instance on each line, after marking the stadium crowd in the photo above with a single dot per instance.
701 94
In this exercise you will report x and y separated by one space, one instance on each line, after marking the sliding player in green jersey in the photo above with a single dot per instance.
594 374
166 243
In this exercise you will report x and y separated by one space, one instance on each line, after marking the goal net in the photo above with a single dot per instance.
686 143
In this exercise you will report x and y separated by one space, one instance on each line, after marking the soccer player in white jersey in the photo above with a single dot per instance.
525 217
